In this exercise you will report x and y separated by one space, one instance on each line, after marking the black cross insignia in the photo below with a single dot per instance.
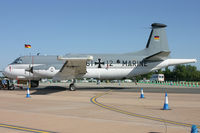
99 63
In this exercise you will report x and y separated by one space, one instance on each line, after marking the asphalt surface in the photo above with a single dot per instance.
125 87
53 108
163 90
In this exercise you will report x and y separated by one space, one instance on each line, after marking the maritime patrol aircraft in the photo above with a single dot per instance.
99 66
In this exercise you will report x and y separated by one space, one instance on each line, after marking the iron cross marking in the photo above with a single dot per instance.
99 63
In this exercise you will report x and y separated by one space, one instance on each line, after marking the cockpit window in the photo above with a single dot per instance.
18 61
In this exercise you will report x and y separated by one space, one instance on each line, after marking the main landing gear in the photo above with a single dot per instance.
72 85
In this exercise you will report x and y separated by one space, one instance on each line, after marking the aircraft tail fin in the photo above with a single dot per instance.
157 41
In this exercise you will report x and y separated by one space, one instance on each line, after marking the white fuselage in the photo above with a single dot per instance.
116 71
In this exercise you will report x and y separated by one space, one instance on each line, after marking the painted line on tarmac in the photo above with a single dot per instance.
24 129
94 101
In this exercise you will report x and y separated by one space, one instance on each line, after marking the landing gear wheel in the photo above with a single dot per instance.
72 87
12 87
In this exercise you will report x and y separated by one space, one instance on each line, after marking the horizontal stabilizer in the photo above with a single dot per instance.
171 62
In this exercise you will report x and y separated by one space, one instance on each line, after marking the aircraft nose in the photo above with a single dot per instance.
6 71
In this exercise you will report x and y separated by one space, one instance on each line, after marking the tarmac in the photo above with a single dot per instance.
104 108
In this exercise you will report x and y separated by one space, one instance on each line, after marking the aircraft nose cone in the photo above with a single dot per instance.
6 71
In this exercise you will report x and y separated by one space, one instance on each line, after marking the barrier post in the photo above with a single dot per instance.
194 129
142 93
28 92
166 106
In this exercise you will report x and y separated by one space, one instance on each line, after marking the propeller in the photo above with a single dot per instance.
30 69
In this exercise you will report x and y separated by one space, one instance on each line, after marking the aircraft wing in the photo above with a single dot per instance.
72 68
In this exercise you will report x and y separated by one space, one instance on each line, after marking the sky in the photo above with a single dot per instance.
57 27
